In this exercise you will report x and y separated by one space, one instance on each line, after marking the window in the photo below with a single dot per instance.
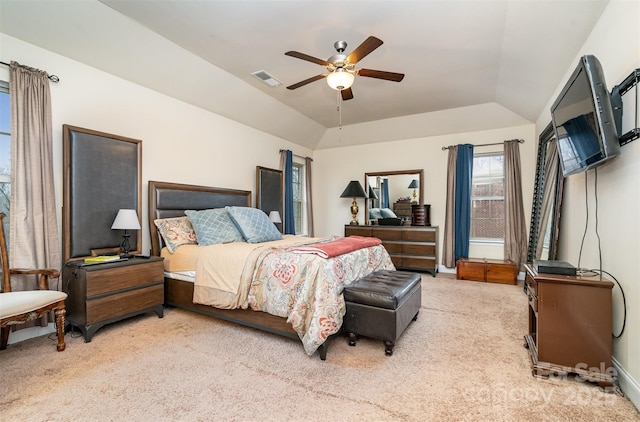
487 197
5 154
298 197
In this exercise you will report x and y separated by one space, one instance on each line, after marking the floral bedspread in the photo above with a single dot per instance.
307 289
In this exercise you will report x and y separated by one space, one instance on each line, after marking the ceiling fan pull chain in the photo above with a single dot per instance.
339 107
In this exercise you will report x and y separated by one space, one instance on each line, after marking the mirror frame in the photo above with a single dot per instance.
546 136
419 172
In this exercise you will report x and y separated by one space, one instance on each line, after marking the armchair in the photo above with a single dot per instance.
20 307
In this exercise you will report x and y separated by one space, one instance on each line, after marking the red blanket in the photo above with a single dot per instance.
338 247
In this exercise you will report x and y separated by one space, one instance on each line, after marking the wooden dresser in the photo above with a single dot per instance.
410 247
402 209
570 326
104 293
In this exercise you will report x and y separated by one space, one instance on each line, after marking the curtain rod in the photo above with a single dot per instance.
296 155
52 78
520 141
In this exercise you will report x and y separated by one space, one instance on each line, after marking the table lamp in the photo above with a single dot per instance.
354 190
414 185
126 220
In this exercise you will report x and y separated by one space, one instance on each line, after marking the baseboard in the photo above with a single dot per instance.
443 269
628 384
31 332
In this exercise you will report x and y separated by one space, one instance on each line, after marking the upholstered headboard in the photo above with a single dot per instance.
102 175
172 199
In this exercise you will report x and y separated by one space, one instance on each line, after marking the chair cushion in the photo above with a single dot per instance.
16 303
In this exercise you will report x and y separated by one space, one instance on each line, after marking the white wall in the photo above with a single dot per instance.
180 142
615 41
335 167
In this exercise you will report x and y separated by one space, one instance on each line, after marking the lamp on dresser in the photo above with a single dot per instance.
354 190
126 220
414 185
372 196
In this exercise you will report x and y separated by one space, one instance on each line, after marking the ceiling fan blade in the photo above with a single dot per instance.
379 74
307 57
347 94
307 81
364 49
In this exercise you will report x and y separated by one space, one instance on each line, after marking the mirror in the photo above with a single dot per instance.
544 232
397 185
269 191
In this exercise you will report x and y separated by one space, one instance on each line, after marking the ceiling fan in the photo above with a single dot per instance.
341 67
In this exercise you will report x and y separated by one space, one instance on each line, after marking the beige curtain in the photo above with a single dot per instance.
307 178
515 237
548 191
448 259
33 224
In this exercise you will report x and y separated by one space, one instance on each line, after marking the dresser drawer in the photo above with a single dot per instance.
357 231
393 247
419 248
397 260
124 277
418 262
387 233
420 235
116 305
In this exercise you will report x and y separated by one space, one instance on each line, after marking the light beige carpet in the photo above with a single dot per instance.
463 359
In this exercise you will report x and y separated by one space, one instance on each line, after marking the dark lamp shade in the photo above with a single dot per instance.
372 193
413 184
353 190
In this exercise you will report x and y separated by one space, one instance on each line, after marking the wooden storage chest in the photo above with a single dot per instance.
488 270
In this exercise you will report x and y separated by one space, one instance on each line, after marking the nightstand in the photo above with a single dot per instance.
100 294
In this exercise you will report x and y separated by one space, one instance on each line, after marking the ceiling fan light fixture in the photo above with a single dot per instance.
340 79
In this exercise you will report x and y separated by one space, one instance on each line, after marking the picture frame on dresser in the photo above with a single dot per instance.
102 174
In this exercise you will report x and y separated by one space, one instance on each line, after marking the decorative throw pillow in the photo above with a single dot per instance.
213 226
374 213
176 231
386 213
254 224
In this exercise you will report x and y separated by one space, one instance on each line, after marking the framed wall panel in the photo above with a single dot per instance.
269 191
102 174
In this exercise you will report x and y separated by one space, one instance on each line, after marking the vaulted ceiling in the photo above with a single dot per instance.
509 54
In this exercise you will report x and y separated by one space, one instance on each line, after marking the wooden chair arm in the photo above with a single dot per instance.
45 275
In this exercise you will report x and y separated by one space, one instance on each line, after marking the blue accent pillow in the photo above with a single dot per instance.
213 226
386 213
375 213
254 224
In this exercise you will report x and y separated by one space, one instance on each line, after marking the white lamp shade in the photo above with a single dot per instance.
340 79
274 216
126 220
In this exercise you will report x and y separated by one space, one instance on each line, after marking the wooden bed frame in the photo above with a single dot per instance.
171 200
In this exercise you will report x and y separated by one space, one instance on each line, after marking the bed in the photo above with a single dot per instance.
169 200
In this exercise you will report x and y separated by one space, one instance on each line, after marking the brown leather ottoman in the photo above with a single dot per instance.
381 306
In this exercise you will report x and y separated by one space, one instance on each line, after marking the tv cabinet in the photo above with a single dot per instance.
570 326
410 247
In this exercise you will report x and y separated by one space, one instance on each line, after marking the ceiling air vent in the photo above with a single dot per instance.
267 78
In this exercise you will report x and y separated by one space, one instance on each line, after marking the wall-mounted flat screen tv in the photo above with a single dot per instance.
583 119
